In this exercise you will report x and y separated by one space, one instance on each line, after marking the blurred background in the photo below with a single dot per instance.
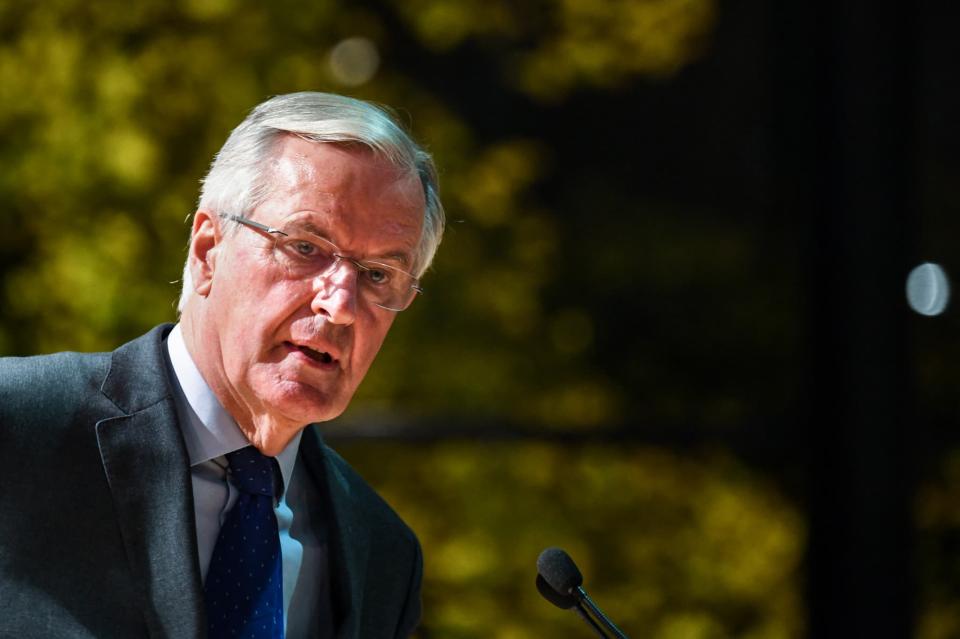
667 328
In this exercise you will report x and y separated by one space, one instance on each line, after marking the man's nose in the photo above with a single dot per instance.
336 294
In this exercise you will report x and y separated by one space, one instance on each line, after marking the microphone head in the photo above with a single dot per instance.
560 601
559 571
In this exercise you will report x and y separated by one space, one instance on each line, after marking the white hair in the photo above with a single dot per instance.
238 180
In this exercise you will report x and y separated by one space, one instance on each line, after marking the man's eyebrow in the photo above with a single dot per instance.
402 258
396 256
310 227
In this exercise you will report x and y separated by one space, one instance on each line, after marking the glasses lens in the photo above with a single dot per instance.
386 286
304 254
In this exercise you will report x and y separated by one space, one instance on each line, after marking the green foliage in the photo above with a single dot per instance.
671 546
554 46
538 310
938 527
111 113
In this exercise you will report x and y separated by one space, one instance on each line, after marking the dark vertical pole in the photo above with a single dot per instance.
845 74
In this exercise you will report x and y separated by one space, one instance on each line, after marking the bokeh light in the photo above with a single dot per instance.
354 61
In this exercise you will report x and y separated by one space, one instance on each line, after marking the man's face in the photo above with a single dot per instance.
286 351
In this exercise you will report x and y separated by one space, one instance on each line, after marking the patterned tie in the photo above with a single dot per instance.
244 587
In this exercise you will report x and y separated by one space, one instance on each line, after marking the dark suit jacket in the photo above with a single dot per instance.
97 531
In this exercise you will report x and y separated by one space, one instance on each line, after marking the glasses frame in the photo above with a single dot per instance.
418 290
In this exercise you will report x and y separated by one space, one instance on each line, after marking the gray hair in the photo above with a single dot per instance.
238 180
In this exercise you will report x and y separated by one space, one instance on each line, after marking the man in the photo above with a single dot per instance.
170 488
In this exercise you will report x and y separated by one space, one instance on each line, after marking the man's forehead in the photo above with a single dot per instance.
297 161
346 192
291 169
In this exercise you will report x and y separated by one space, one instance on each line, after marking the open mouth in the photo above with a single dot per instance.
317 356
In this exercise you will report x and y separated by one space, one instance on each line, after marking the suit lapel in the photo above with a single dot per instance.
349 544
147 469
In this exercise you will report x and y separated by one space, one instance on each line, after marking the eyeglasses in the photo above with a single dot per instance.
304 254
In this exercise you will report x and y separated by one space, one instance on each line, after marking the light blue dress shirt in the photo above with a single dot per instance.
210 433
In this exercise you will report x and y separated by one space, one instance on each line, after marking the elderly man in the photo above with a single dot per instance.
171 488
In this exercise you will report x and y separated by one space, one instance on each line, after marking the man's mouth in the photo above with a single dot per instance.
317 356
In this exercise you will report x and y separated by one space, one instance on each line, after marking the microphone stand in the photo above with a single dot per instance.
590 622
584 598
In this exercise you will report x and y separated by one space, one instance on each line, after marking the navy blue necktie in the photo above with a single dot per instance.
244 587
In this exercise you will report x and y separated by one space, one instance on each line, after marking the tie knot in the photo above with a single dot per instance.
253 472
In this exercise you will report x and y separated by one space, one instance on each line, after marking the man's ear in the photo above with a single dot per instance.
204 239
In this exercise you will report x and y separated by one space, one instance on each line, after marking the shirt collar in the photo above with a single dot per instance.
209 431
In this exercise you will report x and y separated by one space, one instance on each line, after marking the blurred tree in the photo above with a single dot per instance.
695 546
111 114
573 289
938 523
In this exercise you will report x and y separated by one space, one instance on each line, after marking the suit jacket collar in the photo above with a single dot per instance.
349 543
148 473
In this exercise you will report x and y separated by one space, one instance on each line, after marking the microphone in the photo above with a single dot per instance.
556 572
567 602
564 602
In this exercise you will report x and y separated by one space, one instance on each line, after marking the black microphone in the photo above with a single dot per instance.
557 571
567 602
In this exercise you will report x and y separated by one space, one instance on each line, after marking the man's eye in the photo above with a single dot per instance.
304 248
378 276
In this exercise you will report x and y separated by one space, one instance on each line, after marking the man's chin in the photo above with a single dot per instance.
303 404
297 403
